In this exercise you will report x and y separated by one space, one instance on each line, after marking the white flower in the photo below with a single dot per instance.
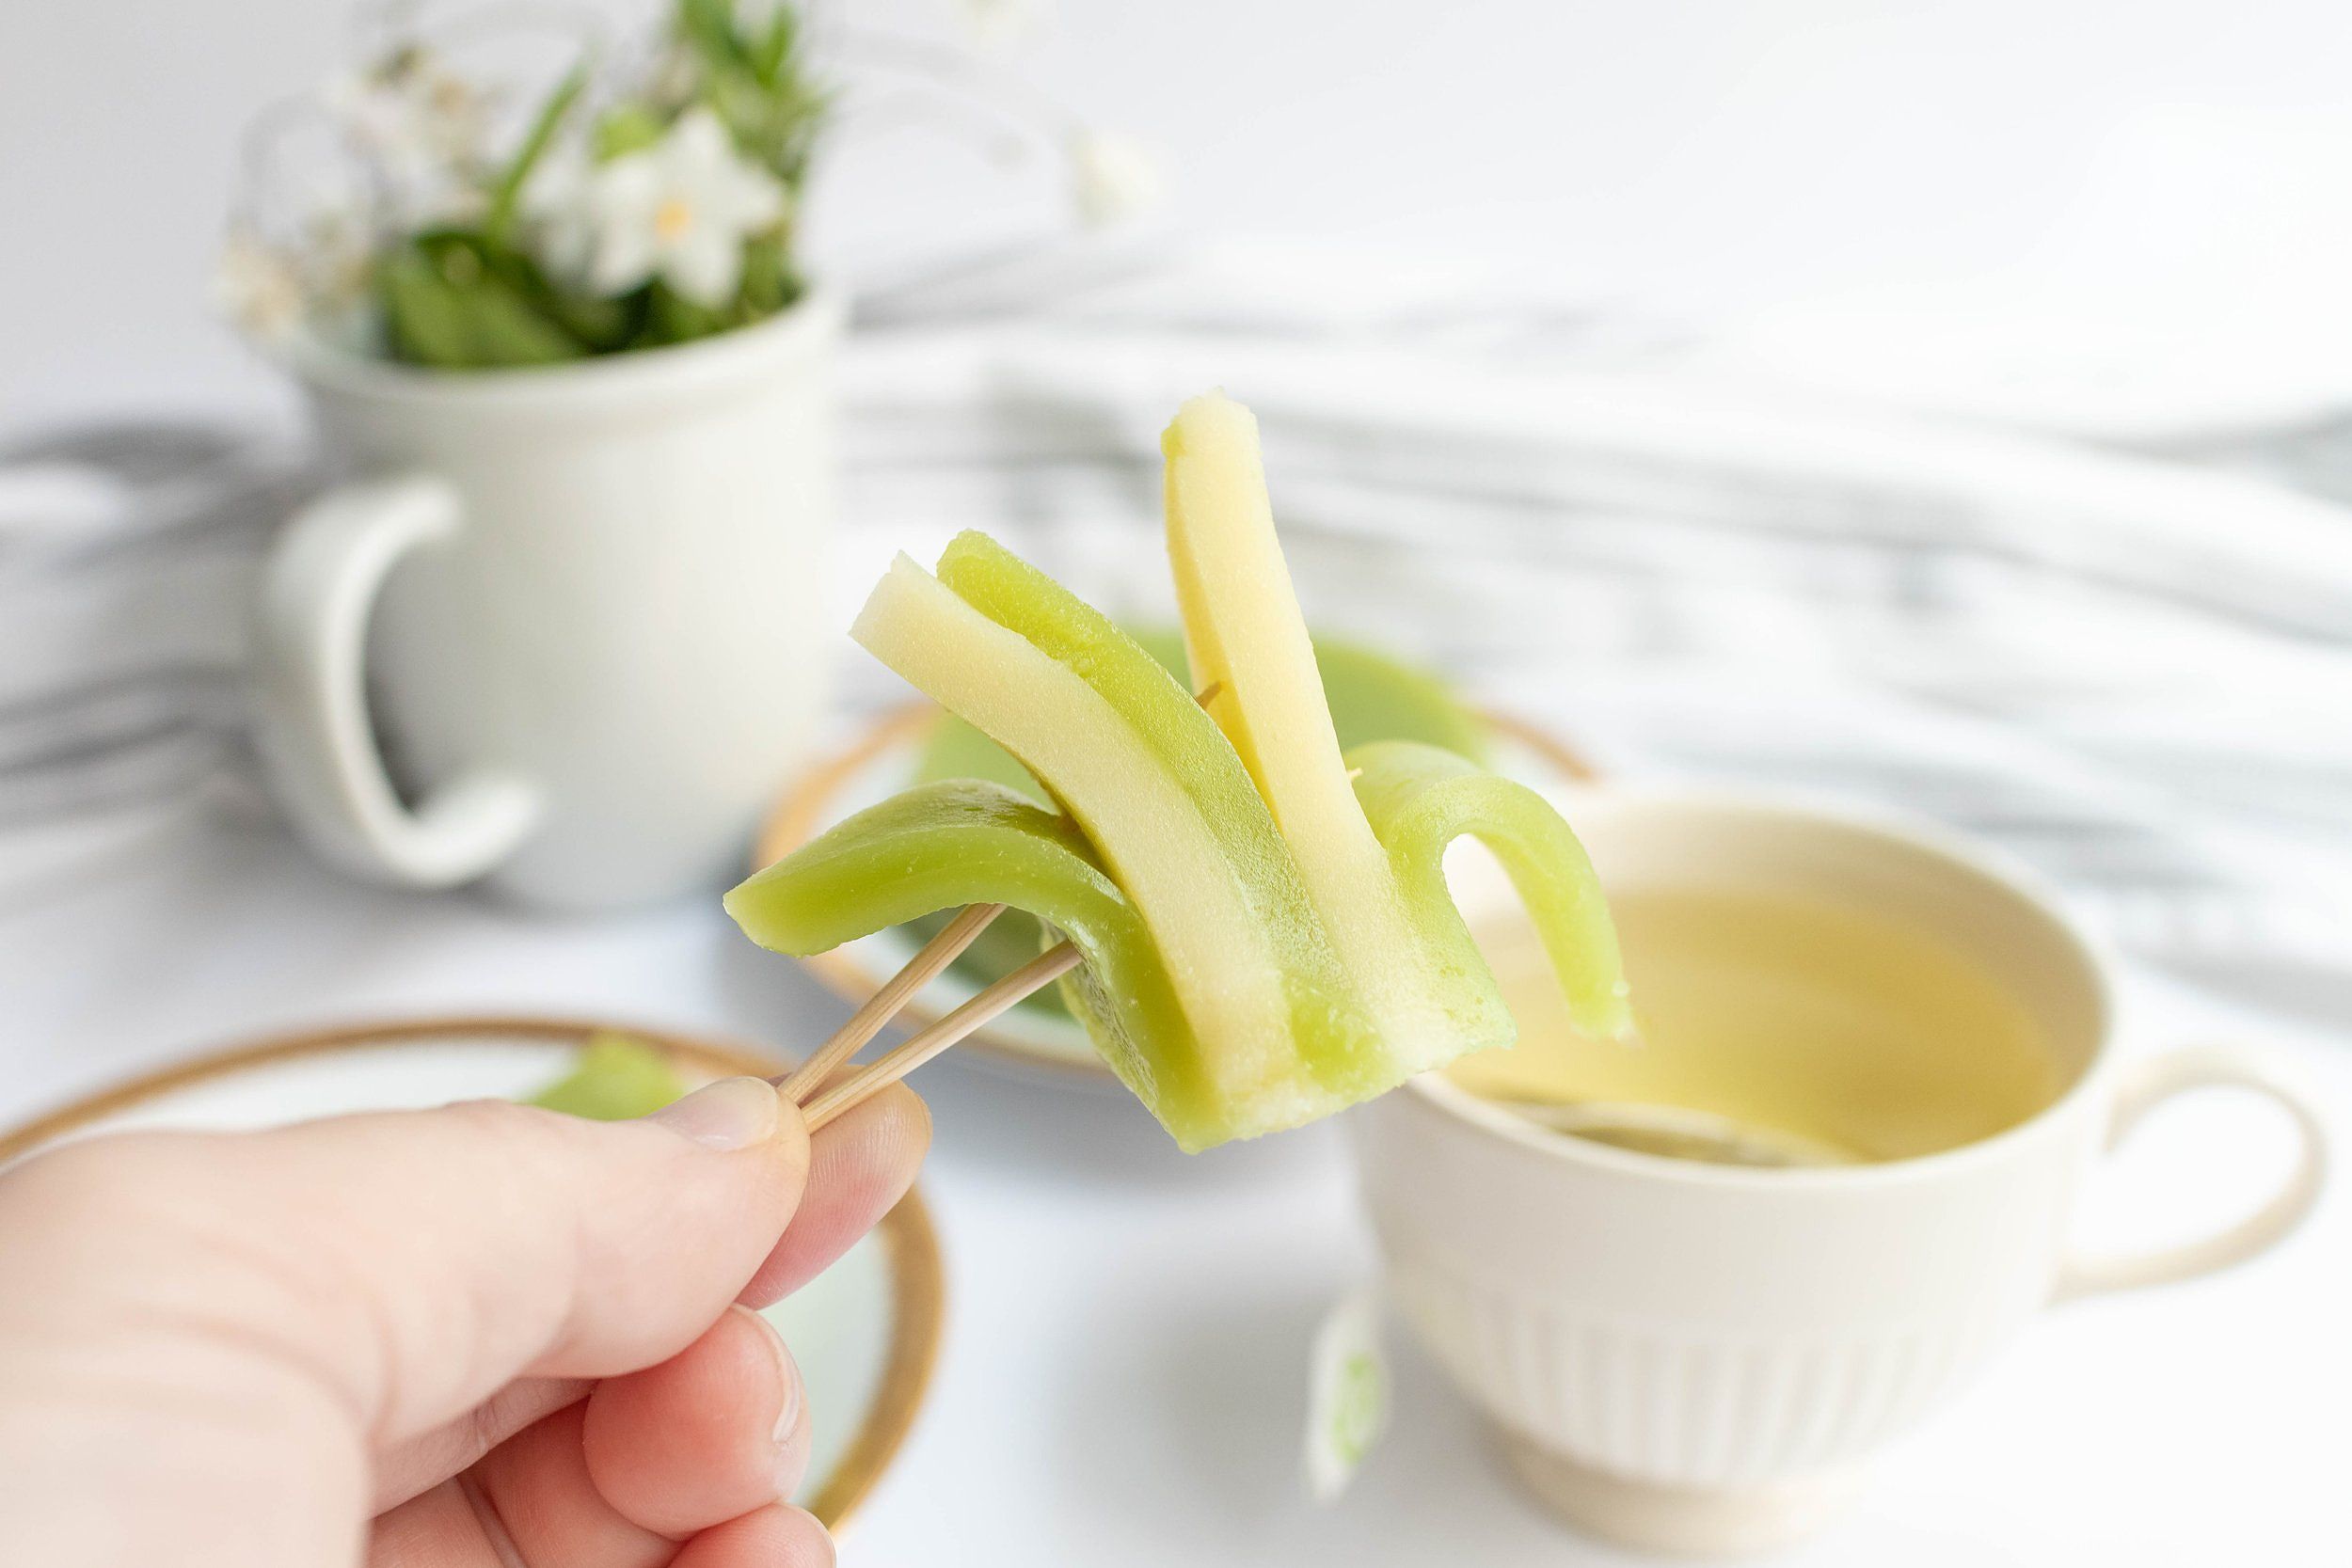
422 125
257 286
1111 178
680 210
337 263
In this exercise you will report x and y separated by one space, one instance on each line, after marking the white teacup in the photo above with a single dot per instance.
1694 1357
587 601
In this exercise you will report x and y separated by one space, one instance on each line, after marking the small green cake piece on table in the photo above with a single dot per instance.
614 1078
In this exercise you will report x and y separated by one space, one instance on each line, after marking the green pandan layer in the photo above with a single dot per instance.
942 845
1336 1044
1420 798
1142 824
1371 697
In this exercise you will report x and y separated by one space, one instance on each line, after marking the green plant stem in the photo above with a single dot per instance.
507 196
769 54
710 25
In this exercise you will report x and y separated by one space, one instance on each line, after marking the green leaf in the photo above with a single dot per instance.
445 305
709 26
508 331
744 106
423 322
768 56
601 325
626 128
767 282
796 114
674 319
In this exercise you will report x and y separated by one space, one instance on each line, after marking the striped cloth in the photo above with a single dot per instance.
2133 671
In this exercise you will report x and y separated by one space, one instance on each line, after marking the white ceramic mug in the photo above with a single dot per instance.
1692 1356
581 604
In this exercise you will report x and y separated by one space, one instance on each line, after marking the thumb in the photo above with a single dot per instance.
418 1261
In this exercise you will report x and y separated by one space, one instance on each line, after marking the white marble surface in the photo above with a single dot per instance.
1125 1354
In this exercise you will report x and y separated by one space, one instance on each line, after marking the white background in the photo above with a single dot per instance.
1125 1361
2164 174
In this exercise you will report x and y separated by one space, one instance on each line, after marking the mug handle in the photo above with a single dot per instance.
311 709
2148 1084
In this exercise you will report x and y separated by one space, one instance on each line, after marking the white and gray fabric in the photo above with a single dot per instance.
2133 670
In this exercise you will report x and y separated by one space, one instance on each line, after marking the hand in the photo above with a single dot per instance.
483 1337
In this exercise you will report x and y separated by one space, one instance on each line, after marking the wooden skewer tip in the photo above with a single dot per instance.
893 994
923 1044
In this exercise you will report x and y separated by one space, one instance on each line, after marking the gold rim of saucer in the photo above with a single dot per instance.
918 1281
804 810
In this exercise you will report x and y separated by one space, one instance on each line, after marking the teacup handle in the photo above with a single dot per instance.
310 707
2148 1084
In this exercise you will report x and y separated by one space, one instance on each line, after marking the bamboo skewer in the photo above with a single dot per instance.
927 1042
879 1009
801 1084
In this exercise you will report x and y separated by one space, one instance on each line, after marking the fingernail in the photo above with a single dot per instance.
791 1458
733 1113
816 1527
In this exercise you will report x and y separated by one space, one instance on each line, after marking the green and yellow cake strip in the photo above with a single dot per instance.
1265 924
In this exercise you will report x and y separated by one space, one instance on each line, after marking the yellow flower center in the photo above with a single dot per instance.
673 218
